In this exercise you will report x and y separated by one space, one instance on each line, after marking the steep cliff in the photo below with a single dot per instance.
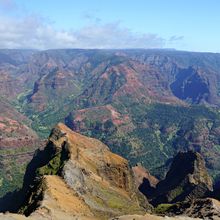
79 176
187 179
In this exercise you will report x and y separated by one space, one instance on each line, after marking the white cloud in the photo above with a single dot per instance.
34 32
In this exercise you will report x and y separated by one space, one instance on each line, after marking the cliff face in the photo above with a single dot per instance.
187 179
79 176
141 174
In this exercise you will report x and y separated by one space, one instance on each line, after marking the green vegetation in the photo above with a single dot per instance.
162 208
159 132
56 163
53 167
154 134
112 199
12 175
176 192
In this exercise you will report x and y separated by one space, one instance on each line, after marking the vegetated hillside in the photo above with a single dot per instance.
152 134
60 81
137 100
15 73
17 145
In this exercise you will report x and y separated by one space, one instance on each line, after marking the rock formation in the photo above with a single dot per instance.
206 208
79 176
142 174
187 179
76 177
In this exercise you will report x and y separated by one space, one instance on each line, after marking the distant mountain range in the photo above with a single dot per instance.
146 105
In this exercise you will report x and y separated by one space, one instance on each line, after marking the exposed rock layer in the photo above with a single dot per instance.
81 177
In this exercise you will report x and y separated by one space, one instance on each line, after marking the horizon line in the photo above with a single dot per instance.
155 49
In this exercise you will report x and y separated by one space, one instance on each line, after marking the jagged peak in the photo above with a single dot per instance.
101 181
189 164
186 179
78 144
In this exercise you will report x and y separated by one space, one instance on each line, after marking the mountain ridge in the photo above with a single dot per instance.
122 97
80 177
77 177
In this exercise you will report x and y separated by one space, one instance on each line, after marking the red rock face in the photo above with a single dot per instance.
102 77
9 86
15 133
13 123
104 81
140 173
144 75
144 82
38 97
106 115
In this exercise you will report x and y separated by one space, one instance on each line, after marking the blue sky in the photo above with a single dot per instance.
191 25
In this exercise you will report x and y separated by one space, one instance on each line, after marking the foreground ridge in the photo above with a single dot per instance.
80 177
76 177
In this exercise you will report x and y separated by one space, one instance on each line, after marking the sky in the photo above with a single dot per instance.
192 25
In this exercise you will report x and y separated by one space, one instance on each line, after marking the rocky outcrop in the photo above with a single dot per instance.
79 176
142 174
206 208
76 176
191 85
187 179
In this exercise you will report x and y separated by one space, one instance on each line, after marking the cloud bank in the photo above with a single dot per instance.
34 32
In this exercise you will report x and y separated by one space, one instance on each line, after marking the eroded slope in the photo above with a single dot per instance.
81 177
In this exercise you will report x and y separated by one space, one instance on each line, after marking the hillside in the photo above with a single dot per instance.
146 105
17 145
